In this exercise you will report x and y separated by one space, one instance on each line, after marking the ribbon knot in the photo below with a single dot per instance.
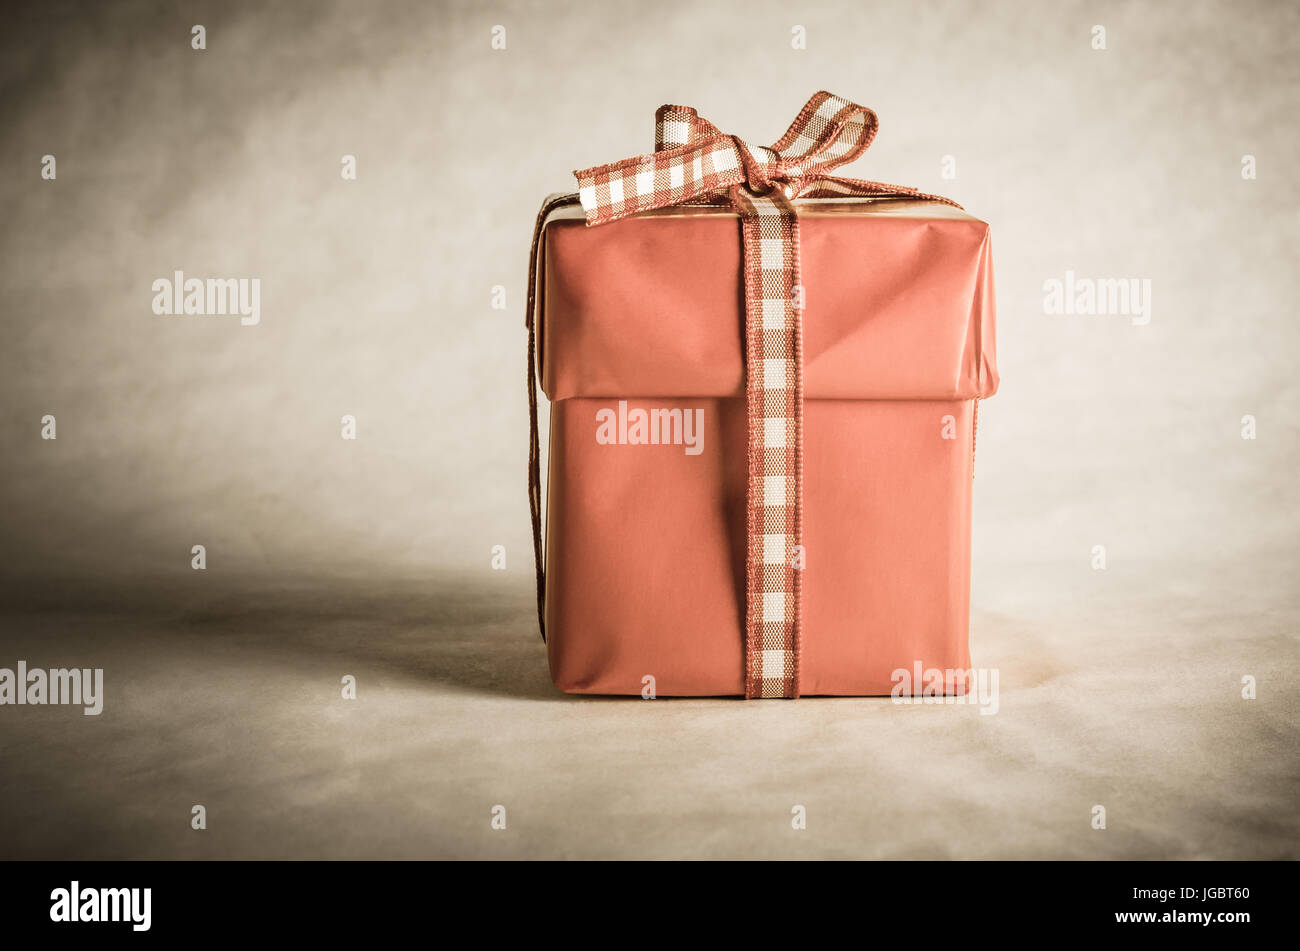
762 174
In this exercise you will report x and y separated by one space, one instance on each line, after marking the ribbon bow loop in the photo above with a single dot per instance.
827 133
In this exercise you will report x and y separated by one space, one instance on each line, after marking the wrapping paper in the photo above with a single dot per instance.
646 542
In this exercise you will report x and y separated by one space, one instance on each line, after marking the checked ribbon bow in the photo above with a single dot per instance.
696 163
694 160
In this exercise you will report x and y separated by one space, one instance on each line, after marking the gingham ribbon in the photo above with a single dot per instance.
774 397
694 163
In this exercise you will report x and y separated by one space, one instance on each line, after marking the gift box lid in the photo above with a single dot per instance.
898 302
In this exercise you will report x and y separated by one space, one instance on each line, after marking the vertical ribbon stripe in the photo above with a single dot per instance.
774 413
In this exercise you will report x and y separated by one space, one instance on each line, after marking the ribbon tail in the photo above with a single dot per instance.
834 187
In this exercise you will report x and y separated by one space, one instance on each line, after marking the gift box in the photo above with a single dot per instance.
655 542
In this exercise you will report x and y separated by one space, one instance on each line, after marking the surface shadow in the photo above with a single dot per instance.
460 631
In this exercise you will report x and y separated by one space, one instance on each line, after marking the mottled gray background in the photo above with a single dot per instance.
1120 687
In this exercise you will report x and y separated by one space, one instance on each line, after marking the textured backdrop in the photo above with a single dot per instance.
1167 156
